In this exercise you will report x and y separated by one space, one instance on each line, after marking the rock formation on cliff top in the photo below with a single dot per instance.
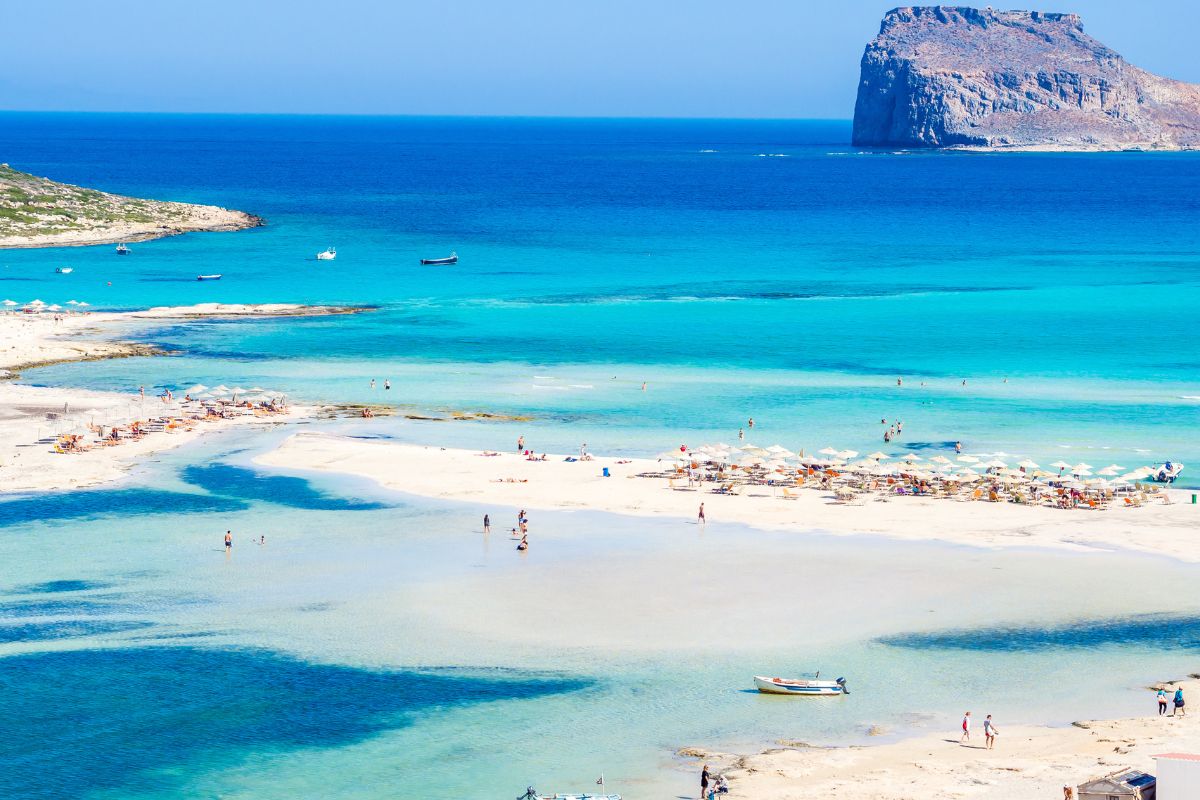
944 76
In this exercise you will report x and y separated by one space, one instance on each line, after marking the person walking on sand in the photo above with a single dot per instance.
1178 702
704 783
1162 702
487 524
228 541
966 729
989 732
700 517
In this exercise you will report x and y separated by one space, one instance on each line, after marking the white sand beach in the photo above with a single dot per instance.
555 484
33 418
1026 762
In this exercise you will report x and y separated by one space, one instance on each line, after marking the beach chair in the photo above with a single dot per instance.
790 495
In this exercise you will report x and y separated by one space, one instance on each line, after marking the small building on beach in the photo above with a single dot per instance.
1178 775
1126 784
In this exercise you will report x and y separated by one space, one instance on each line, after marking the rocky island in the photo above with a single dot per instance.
952 77
39 212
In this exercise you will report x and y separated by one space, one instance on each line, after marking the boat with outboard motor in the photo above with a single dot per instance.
64 270
327 255
450 259
123 249
532 794
208 277
1165 472
814 687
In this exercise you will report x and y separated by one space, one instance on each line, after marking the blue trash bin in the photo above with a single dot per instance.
606 472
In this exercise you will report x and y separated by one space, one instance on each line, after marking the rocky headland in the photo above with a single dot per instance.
39 212
953 77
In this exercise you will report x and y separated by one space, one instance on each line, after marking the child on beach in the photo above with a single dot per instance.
966 729
487 524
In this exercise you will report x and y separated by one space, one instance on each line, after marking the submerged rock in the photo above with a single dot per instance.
944 76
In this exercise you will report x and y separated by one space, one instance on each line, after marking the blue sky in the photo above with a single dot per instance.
700 58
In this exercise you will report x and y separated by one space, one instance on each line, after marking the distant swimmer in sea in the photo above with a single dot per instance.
700 519
750 423
899 381
964 382
372 383
262 539
524 545
643 386
958 447
387 384
741 434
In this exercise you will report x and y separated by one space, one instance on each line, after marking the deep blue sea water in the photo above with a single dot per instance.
741 269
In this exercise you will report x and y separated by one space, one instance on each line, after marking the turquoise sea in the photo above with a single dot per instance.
376 647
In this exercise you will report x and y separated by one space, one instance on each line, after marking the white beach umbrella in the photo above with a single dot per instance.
1134 475
206 396
878 456
828 451
847 454
1027 464
1108 471
941 460
221 388
968 459
910 457
197 389
36 303
72 302
778 449
1115 467
81 303
55 307
1060 464
1081 465
11 303
751 450
1082 472
666 455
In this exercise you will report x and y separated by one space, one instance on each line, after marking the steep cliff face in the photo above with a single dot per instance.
944 76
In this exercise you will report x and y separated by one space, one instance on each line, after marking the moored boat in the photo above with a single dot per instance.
1166 472
123 249
65 270
327 255
450 259
800 687
208 277
532 794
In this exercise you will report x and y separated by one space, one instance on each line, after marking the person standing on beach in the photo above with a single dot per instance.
228 541
487 524
1178 702
700 519
704 782
520 444
966 729
989 732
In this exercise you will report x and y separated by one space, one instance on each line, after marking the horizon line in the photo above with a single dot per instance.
375 115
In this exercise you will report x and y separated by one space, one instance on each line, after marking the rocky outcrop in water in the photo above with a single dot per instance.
945 76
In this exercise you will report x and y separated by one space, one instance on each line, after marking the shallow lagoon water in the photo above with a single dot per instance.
412 645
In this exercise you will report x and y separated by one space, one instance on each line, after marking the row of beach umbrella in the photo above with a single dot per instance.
41 305
255 394
964 468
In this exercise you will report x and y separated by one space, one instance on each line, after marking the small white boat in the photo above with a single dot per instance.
1166 472
208 277
815 687
123 249
531 794
450 259
327 255
65 270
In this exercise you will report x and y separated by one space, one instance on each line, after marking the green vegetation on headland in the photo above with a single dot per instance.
39 212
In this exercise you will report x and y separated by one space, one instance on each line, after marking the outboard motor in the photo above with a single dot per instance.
842 683
530 794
